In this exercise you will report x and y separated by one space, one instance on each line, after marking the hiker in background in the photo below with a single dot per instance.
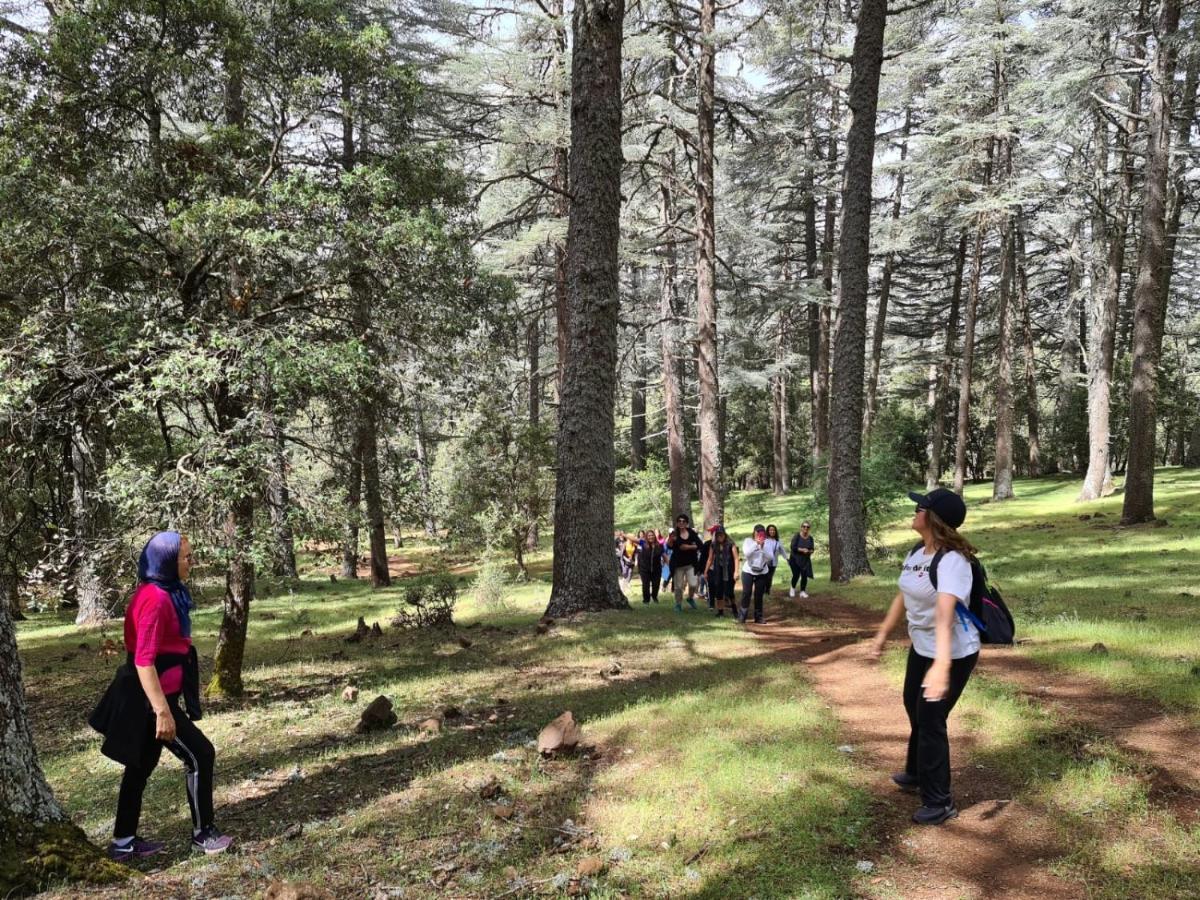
140 712
755 566
702 566
800 559
625 549
719 570
685 550
774 548
945 646
666 574
649 565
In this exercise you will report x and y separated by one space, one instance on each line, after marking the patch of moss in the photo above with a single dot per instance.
33 857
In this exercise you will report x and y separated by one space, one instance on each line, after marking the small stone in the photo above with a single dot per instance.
589 866
432 725
350 694
562 734
296 890
493 718
377 716
503 811
1099 649
845 748
865 865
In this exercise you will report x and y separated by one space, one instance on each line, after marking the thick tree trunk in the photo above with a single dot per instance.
279 502
560 181
945 368
1069 357
885 291
1147 331
963 421
712 498
584 575
1102 315
1032 417
681 493
93 589
847 519
372 490
1002 482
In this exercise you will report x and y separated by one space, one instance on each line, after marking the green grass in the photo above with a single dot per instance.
716 765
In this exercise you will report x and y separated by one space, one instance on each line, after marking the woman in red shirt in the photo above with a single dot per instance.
158 639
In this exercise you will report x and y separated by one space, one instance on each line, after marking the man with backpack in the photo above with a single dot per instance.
940 583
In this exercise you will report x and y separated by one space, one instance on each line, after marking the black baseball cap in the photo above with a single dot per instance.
943 502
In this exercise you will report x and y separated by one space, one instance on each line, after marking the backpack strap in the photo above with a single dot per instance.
933 567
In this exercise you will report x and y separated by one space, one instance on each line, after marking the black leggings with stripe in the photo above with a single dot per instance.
196 753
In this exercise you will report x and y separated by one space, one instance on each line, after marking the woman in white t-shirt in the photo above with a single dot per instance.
945 647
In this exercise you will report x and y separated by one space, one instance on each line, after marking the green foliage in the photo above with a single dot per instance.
644 496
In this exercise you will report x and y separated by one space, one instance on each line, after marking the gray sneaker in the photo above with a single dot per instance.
135 849
210 841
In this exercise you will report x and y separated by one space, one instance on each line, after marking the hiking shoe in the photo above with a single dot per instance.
907 782
758 620
934 815
692 602
804 595
678 607
720 614
210 841
792 592
135 849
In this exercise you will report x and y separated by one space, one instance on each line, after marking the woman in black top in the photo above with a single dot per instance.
800 560
649 565
721 570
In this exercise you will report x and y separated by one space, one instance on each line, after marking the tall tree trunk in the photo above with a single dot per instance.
681 492
353 512
279 501
712 498
368 422
584 575
825 312
232 411
1178 192
945 368
1069 357
847 519
93 588
1147 331
1102 314
425 476
968 357
1032 417
1002 488
637 399
779 402
562 201
812 272
885 290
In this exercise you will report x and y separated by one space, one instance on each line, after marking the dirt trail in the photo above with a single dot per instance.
1000 845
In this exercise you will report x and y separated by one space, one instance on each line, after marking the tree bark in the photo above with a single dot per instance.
561 182
712 498
1102 314
825 311
1178 190
93 589
945 367
681 493
1002 488
885 291
584 575
847 520
968 357
425 476
1032 417
353 514
279 500
1147 332
637 399
779 405
1069 357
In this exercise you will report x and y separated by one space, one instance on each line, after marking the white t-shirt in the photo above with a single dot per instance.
771 546
920 602
756 559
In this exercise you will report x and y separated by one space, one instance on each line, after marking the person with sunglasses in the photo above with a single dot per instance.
944 649
685 552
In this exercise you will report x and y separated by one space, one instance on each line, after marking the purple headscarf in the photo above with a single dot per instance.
159 564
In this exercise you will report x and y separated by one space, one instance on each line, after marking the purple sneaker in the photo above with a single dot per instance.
135 849
210 841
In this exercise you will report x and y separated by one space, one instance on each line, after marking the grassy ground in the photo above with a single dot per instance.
715 768
715 772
